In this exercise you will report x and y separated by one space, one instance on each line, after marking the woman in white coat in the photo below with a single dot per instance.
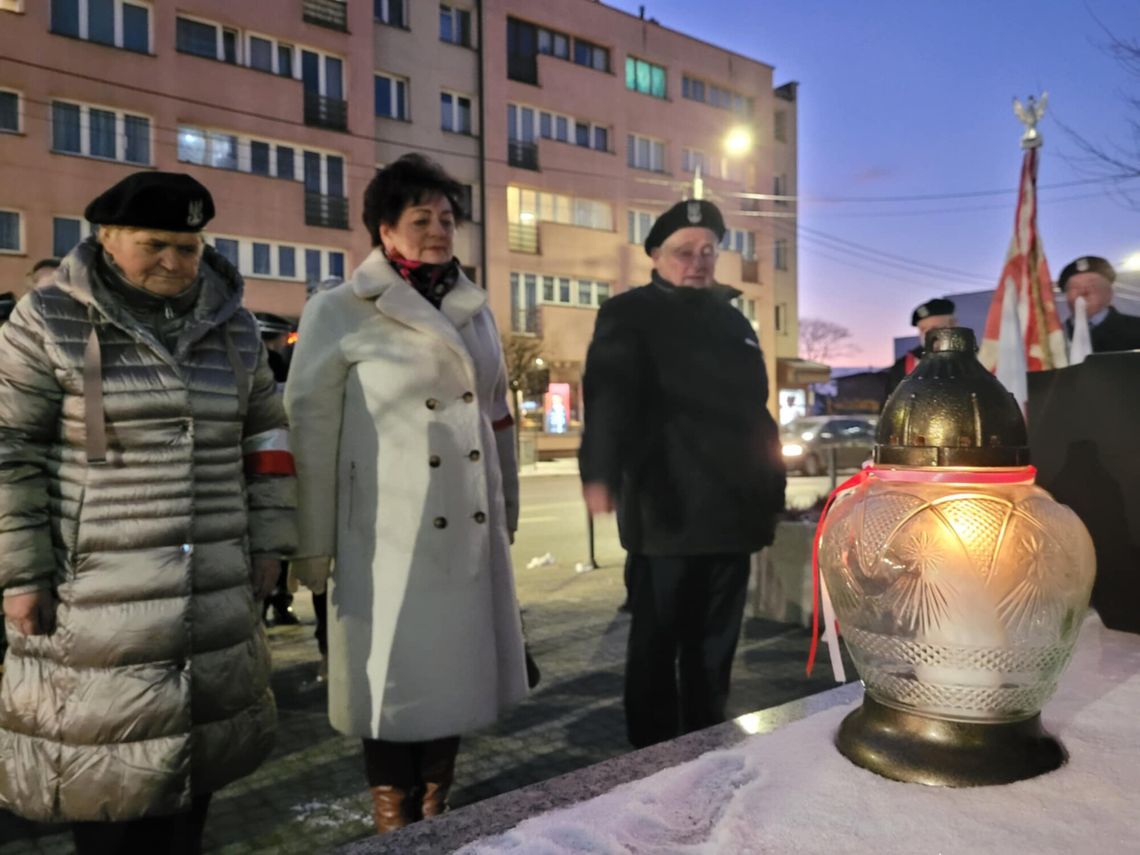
404 446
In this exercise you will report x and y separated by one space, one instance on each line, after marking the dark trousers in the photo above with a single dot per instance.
686 616
176 834
409 764
321 608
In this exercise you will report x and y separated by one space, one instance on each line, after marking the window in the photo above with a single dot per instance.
260 54
66 232
16 6
391 97
638 224
552 126
9 111
741 241
259 157
781 254
522 51
286 262
645 153
780 189
524 314
312 265
455 113
780 126
553 43
582 134
591 55
109 22
223 151
267 54
562 129
747 307
601 138
204 39
285 162
531 206
336 264
782 318
454 25
11 232
390 12
227 249
532 289
715 96
99 132
261 256
691 159
644 77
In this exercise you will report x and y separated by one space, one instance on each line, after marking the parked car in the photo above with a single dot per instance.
808 441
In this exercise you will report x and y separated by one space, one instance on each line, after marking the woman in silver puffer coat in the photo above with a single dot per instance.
146 500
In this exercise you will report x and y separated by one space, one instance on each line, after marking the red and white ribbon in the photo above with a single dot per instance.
268 453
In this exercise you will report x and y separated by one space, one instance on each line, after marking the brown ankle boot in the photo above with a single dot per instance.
436 767
389 808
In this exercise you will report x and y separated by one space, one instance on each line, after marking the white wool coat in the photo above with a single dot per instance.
404 481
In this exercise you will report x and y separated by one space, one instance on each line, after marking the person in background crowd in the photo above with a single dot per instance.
277 609
678 437
43 271
134 391
932 315
397 397
1092 277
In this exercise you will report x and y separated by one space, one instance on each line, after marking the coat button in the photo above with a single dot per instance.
480 517
433 461
474 455
468 397
187 549
431 403
440 522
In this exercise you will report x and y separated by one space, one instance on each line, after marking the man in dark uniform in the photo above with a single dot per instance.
931 315
678 438
1091 277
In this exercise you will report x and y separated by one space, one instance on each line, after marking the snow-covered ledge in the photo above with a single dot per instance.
791 791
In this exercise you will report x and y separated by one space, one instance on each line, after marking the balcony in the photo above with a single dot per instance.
322 111
750 270
328 211
523 237
326 13
522 154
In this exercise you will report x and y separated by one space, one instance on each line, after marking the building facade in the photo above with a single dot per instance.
260 102
572 124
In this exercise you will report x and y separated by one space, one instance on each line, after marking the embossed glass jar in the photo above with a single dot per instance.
959 586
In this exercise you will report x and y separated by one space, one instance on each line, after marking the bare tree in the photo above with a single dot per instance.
1108 159
525 367
822 341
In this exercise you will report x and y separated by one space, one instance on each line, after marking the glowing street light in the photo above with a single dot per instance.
738 142
1131 263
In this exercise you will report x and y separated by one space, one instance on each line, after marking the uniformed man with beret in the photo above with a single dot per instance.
146 501
678 438
932 315
1091 277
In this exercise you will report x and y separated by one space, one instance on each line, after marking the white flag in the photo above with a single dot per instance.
1011 363
1082 340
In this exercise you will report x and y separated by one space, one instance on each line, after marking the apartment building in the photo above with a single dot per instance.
571 123
267 104
597 121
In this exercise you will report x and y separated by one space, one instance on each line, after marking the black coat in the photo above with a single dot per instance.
1116 332
676 423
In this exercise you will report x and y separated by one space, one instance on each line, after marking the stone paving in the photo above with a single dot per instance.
310 796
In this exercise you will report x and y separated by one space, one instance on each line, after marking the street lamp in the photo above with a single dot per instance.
738 142
1131 263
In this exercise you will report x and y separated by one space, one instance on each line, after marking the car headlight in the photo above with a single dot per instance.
793 449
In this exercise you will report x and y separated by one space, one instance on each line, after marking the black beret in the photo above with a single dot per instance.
937 306
1086 264
692 213
164 201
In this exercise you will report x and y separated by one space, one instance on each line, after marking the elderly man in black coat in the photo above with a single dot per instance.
1091 277
678 439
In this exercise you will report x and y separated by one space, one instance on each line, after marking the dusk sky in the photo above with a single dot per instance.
900 98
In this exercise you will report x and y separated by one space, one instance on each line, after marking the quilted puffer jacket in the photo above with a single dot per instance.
137 493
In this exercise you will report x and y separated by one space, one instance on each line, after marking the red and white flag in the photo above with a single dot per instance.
1030 309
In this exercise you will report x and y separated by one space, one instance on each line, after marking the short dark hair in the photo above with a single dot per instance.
53 263
410 180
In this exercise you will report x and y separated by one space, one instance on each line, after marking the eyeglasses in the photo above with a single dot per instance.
687 255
